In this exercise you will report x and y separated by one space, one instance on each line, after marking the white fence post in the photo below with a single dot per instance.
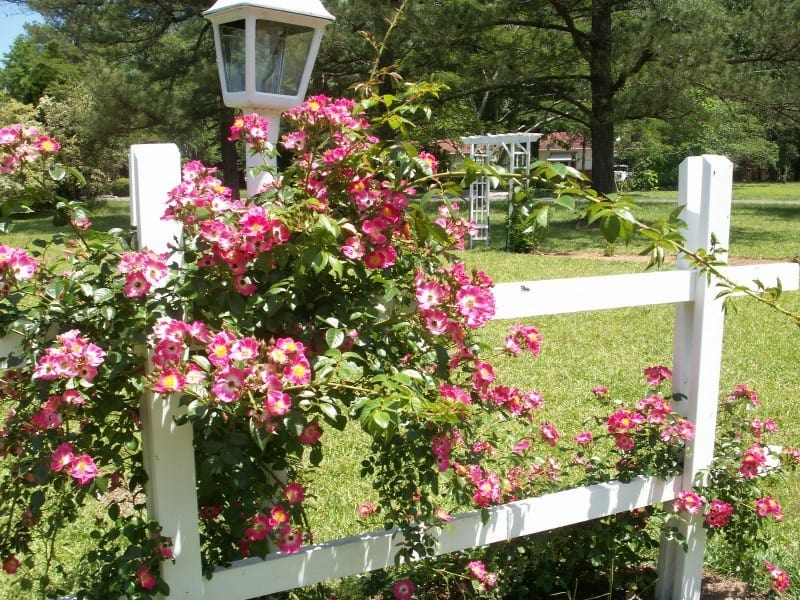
705 191
167 449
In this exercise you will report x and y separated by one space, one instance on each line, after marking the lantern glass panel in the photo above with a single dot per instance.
232 38
281 53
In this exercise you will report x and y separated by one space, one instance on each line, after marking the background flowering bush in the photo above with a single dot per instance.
331 298
29 173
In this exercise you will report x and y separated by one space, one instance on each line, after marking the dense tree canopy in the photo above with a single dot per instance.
596 64
141 72
604 67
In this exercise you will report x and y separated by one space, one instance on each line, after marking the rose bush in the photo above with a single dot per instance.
617 554
734 493
331 299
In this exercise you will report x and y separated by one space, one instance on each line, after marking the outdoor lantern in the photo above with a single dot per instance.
265 53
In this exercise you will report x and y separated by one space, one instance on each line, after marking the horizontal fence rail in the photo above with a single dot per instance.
377 550
561 296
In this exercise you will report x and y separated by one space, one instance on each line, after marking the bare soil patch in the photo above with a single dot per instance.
725 588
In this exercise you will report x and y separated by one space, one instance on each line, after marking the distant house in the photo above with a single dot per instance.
570 148
451 150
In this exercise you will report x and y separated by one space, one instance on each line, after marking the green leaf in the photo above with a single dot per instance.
258 435
202 362
57 172
395 122
559 169
626 215
101 483
336 265
76 174
55 289
381 419
349 371
315 259
542 217
102 295
626 231
566 201
315 456
37 499
610 227
329 410
334 338
413 374
594 213
329 225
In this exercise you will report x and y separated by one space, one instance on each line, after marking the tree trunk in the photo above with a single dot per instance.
601 119
230 165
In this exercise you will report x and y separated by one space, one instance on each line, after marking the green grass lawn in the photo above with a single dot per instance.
758 231
762 349
767 191
608 348
104 217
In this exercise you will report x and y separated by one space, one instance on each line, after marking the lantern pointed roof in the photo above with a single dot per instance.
309 8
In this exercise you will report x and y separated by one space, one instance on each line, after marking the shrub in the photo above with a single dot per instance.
545 187
644 180
121 187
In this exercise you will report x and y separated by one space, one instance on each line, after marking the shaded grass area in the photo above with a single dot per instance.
106 216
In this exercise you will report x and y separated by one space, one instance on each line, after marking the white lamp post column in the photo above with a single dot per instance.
265 53
255 176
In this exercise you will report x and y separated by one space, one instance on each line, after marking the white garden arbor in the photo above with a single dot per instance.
511 149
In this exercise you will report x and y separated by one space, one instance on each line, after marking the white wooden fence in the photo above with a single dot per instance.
705 191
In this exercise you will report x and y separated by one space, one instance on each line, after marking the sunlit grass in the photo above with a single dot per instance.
760 191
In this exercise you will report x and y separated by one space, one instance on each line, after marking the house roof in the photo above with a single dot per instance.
564 140
502 138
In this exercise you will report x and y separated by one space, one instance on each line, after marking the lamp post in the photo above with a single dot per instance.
265 53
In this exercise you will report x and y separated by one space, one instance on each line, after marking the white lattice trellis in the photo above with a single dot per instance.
517 149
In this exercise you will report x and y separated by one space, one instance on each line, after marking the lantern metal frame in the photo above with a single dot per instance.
266 25
294 15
